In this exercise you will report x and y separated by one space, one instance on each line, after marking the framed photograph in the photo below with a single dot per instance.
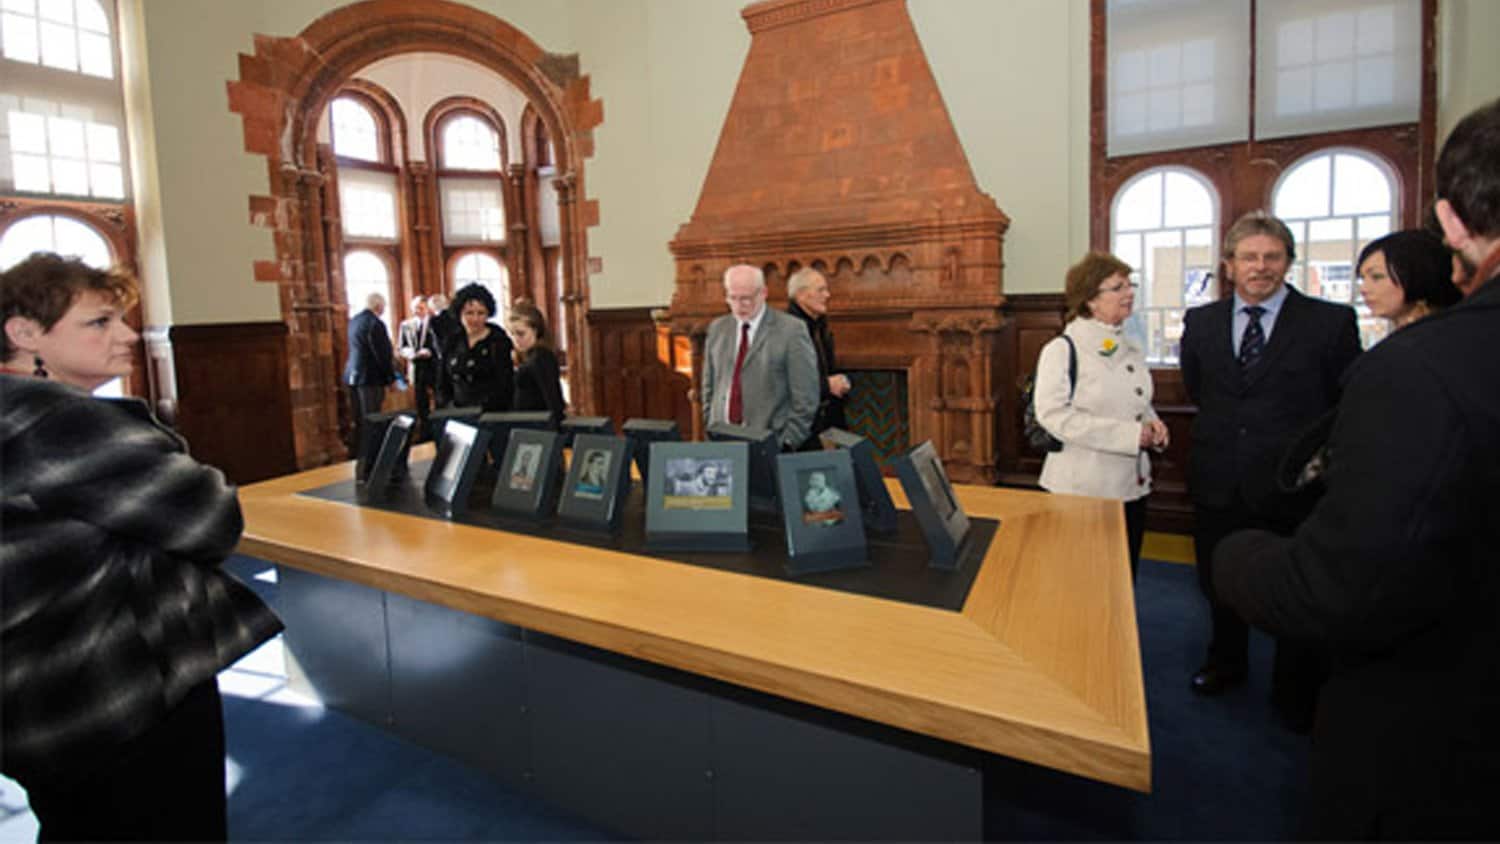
372 439
763 451
820 509
572 426
874 498
944 524
392 452
460 453
698 497
501 424
443 415
529 474
642 433
593 494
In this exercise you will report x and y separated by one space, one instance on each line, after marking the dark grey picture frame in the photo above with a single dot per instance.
642 433
440 417
392 453
672 524
874 497
460 453
764 447
572 426
942 519
372 435
820 508
596 506
536 501
501 423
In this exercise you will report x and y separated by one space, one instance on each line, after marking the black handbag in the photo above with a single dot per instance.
1039 439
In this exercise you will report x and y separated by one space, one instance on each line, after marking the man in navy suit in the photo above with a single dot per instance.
371 366
1261 365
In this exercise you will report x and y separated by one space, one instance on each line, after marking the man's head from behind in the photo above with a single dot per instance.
1468 189
376 303
745 290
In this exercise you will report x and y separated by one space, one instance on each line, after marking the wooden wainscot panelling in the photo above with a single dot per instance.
638 369
1031 319
233 401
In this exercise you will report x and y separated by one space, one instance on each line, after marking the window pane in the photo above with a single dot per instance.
91 17
25 7
20 38
470 144
57 11
70 177
94 56
28 132
75 238
1139 207
1359 187
355 132
66 138
1188 201
473 211
104 143
1303 192
364 273
59 46
108 180
47 233
31 174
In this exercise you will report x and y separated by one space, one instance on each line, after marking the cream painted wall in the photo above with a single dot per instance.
1469 64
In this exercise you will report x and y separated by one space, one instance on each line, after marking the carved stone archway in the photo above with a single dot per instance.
283 89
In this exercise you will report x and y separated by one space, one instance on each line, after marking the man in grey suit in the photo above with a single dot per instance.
759 366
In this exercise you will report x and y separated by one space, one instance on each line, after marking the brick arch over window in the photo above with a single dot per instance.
282 91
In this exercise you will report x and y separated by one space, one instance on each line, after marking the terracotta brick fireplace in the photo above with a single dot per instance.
838 153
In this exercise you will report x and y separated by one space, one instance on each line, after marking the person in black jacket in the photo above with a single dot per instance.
1396 570
446 326
478 359
808 291
116 616
538 382
1261 365
371 366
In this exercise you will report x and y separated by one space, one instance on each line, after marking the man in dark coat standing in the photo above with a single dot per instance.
809 294
1261 365
1396 569
371 366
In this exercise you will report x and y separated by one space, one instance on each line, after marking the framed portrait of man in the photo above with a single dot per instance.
944 523
642 433
593 494
392 453
698 496
527 482
874 498
460 453
820 510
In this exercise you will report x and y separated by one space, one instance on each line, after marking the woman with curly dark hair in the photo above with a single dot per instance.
538 382
117 616
477 360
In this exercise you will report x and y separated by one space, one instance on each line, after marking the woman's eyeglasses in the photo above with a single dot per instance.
1119 288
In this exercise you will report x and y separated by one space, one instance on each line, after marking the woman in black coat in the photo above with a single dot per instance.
538 382
477 361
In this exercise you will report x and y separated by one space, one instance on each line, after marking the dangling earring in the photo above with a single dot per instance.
40 371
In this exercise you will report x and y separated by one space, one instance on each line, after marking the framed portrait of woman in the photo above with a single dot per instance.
593 494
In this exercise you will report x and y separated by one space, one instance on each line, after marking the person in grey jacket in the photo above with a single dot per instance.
759 366
116 617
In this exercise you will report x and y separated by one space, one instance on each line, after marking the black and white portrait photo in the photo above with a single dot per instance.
592 476
523 467
821 502
698 484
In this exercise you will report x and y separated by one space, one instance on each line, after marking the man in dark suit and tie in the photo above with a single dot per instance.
371 365
419 347
759 366
1261 365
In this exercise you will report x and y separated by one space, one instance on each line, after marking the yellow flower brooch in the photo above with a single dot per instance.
1108 347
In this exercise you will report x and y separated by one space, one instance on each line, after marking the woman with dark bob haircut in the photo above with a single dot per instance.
116 616
477 360
1405 276
1103 414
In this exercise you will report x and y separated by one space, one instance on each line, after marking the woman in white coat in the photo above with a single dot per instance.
1104 421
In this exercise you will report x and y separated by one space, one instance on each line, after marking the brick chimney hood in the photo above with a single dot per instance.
838 153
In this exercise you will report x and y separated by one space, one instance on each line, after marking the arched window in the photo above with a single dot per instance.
366 273
469 143
356 134
53 233
1163 223
62 34
481 268
1335 202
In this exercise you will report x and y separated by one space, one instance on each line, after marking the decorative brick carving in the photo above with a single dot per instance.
838 153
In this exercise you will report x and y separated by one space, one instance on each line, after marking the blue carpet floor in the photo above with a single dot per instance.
1223 768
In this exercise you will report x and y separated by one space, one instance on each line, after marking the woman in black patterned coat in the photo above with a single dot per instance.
116 616
477 360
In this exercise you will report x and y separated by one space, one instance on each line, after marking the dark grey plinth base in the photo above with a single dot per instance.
649 751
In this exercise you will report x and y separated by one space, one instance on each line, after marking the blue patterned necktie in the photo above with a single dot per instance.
1253 341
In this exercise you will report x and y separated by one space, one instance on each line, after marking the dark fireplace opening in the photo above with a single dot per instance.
877 409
